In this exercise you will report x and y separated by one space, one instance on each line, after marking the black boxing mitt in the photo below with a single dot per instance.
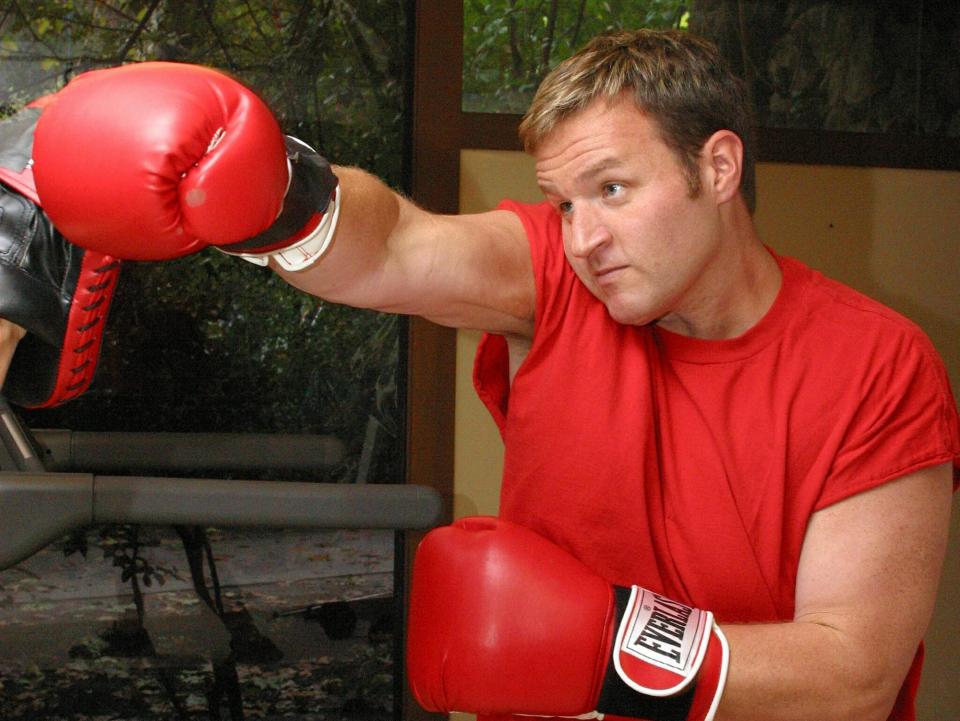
57 291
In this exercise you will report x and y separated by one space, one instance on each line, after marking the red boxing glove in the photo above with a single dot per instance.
157 160
503 621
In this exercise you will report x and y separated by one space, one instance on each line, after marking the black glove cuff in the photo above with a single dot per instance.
312 184
618 699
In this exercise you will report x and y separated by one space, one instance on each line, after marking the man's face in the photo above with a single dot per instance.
631 230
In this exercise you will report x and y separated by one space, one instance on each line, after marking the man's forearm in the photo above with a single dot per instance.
463 271
351 271
804 671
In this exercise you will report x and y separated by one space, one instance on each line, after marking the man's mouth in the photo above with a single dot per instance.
607 274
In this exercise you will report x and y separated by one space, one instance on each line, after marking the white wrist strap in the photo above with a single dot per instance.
724 669
308 250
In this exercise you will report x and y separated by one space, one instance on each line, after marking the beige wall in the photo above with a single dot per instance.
894 234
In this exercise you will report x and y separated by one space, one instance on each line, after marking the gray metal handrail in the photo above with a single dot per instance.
38 508
105 452
39 503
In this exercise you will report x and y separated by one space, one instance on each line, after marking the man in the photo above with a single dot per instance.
682 409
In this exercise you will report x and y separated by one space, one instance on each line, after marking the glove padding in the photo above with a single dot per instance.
502 621
57 291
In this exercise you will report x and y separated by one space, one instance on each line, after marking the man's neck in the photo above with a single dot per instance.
736 291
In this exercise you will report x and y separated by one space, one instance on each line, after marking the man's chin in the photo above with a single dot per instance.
629 315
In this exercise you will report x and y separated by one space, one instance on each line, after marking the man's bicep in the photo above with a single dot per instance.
871 564
468 271
471 271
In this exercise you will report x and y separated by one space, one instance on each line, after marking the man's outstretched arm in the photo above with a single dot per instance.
465 271
158 160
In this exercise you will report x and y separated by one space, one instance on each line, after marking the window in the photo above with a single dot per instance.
509 45
175 622
851 82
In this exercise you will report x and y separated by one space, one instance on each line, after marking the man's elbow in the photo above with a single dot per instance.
871 691
865 680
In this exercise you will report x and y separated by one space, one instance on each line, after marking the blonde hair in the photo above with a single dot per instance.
680 80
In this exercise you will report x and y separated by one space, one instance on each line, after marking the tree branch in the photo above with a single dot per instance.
577 26
137 31
547 46
218 36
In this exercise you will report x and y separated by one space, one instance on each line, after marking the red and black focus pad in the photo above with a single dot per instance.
59 292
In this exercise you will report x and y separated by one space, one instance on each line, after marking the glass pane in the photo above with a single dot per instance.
272 638
853 65
266 623
509 45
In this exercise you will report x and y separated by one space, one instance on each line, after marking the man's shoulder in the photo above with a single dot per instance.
554 277
833 303
538 218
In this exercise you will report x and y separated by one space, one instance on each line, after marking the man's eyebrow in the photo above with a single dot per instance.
592 169
599 166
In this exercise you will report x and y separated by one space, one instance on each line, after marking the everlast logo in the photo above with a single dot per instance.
664 630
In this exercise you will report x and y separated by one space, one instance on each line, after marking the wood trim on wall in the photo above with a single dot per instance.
821 147
431 349
433 185
493 131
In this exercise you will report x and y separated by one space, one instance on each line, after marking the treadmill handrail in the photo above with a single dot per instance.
38 508
163 452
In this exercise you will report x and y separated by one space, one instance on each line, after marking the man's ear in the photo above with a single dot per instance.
723 157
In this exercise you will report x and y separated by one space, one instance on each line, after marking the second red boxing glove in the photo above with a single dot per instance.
503 621
156 160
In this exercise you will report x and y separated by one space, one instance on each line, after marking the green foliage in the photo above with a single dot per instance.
122 545
509 45
211 343
816 64
332 70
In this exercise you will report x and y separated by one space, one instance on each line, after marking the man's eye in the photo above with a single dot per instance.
565 208
611 189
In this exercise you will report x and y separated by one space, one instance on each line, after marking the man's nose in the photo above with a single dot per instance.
587 231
